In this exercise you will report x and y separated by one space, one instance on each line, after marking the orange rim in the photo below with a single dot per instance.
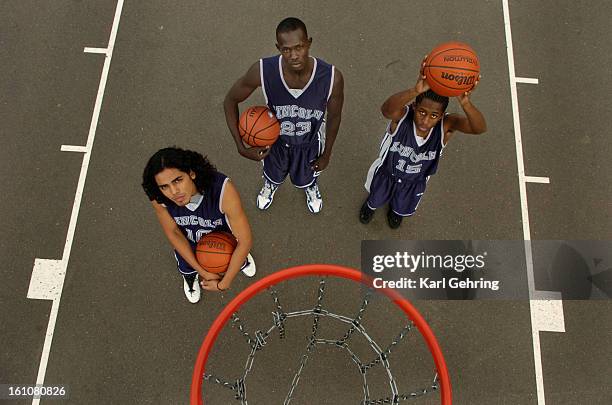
318 270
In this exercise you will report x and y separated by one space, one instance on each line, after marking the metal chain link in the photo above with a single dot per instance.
405 397
279 317
297 375
220 381
317 308
236 386
311 341
237 322
357 319
384 355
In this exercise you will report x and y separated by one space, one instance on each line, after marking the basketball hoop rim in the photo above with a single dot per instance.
319 270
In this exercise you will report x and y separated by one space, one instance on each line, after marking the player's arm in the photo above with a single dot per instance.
334 117
232 207
394 108
178 240
473 122
239 92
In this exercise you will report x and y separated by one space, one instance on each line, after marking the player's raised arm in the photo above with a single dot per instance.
394 107
240 91
178 240
334 117
472 123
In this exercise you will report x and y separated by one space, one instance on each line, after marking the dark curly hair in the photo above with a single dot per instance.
176 158
430 94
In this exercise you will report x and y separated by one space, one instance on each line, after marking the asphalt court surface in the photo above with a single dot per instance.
125 333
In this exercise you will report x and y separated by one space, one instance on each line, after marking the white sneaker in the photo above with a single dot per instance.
248 268
313 198
192 294
266 195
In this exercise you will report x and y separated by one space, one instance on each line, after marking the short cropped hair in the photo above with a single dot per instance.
176 158
291 24
430 94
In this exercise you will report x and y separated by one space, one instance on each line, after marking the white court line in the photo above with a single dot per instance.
543 317
104 51
527 80
77 200
534 179
73 148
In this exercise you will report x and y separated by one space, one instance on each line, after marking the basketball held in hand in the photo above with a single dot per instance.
451 69
214 251
258 126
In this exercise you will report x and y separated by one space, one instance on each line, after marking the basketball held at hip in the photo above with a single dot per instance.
258 126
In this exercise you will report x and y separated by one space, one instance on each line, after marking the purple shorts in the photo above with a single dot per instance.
403 197
294 160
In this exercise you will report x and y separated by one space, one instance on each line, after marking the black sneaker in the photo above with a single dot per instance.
365 213
393 219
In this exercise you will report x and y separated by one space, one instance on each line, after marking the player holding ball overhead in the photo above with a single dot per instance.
411 147
299 89
191 199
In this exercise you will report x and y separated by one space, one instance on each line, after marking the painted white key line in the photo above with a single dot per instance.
48 275
546 315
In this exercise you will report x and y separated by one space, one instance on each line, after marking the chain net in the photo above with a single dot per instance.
353 326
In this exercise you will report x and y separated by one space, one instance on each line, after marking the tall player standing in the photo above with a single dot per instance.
191 199
411 148
299 89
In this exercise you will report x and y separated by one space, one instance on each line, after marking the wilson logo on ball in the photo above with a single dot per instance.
459 79
214 251
214 245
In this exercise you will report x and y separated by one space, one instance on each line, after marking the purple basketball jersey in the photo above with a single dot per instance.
403 158
203 214
300 117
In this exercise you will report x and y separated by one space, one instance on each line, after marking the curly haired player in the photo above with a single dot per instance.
191 199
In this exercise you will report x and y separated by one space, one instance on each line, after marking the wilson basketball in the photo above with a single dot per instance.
258 126
451 69
215 250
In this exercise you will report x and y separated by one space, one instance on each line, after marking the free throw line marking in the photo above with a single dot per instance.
49 265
